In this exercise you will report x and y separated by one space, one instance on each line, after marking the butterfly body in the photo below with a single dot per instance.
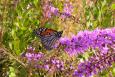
48 37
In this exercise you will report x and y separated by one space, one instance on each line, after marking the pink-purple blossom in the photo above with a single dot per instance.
67 10
101 39
49 10
95 64
34 56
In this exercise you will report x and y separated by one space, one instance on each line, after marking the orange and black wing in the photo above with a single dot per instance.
48 37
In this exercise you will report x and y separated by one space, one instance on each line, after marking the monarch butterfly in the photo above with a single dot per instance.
48 37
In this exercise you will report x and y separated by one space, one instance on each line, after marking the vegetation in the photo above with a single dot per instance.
86 48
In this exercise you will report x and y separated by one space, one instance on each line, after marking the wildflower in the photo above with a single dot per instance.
46 67
67 10
33 56
95 64
49 10
101 39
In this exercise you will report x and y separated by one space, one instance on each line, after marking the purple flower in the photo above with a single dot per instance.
65 41
46 67
49 10
33 56
58 64
67 10
77 74
101 39
94 65
54 10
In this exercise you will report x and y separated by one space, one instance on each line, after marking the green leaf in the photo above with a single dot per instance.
12 72
113 6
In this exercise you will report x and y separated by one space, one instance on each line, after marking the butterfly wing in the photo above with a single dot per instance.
44 32
48 37
48 42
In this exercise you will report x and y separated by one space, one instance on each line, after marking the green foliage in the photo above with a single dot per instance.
12 72
113 6
98 14
21 21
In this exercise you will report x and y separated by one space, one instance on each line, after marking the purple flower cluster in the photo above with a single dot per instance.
50 64
101 39
56 65
53 65
34 56
95 64
49 10
67 10
31 55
